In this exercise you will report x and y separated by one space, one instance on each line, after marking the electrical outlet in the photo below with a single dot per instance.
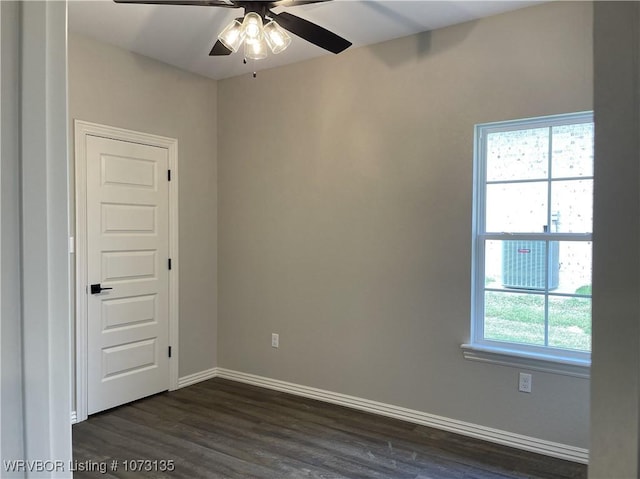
275 340
524 385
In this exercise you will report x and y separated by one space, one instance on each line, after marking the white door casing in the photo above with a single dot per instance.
126 215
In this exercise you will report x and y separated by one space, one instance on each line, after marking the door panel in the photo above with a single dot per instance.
128 265
128 358
126 312
129 172
128 248
127 219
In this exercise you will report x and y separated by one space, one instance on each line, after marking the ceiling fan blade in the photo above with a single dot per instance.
199 3
219 50
295 3
311 32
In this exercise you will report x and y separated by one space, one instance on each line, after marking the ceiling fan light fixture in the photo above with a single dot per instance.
251 29
277 38
232 36
252 26
255 49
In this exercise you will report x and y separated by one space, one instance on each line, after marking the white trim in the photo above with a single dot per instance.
81 274
82 130
535 362
2 132
192 379
36 299
506 438
519 359
537 236
559 119
174 274
74 417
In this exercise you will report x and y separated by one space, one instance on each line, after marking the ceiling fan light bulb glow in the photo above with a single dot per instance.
277 38
252 26
232 36
255 50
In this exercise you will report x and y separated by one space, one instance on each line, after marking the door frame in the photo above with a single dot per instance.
82 129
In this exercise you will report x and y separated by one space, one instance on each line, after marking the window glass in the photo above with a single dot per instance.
513 317
572 206
572 150
570 322
574 267
518 154
517 207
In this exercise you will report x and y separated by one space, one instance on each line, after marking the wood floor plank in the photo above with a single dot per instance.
225 429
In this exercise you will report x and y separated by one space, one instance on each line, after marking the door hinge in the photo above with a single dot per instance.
168 175
169 263
169 351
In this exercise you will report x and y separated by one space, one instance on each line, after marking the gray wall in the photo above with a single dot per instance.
45 231
111 86
616 286
34 273
11 397
345 189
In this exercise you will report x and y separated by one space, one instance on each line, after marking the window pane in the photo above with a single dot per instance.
493 264
516 264
514 317
570 323
518 154
517 208
572 153
574 266
572 206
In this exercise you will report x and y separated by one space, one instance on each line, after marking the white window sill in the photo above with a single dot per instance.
536 362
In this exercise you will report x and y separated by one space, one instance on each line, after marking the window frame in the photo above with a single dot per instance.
488 350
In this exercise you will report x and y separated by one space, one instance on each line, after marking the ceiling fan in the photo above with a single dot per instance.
261 27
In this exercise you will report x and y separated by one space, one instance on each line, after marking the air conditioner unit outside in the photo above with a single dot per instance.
523 264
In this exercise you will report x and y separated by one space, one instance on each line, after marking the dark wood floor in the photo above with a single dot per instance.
223 429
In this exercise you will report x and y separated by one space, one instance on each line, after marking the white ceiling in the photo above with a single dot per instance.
183 35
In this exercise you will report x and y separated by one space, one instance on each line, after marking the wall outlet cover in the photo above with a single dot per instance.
524 383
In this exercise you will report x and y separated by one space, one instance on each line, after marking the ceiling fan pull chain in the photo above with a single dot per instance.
244 61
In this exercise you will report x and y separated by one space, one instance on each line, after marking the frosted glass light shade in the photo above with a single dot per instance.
232 36
252 26
255 50
277 38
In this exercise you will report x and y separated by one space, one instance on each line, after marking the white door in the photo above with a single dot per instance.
127 257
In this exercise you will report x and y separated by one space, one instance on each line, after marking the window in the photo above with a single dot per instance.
533 215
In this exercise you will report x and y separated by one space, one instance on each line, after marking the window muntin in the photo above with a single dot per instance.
533 218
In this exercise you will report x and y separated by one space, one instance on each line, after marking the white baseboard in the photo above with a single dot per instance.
506 438
197 377
498 436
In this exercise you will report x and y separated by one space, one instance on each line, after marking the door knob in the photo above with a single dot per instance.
97 288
